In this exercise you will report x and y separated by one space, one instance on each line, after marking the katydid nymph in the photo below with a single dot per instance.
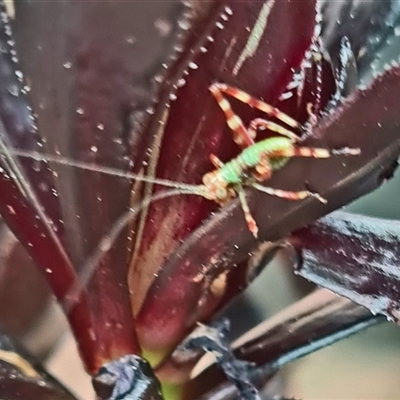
255 164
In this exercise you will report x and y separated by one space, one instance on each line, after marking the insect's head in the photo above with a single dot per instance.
216 187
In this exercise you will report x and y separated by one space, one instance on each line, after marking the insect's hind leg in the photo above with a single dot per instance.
286 194
244 97
313 152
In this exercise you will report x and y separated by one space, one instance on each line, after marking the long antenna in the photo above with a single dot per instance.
34 155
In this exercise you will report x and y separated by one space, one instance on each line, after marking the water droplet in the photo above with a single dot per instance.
184 24
94 149
181 82
228 10
130 39
44 187
67 65
80 111
397 31
203 49
100 127
193 65
210 39
219 25
13 90
224 17
163 27
19 74
173 97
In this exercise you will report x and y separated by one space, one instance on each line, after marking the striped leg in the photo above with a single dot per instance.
285 194
260 123
312 152
240 134
253 102
251 223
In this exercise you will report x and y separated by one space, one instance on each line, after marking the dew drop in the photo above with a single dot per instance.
19 74
94 149
163 27
184 24
67 65
130 39
13 90
181 82
80 111
193 65
228 10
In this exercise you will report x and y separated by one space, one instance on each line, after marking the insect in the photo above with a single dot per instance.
256 162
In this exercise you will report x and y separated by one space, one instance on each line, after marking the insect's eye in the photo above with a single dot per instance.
207 179
221 193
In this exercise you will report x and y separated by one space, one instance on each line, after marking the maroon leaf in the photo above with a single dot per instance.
195 129
91 72
23 378
366 24
23 209
354 256
318 320
368 120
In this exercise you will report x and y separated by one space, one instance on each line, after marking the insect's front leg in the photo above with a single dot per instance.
220 88
240 135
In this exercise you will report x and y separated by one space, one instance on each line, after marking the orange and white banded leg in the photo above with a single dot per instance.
251 223
216 161
240 135
286 194
262 124
313 152
254 103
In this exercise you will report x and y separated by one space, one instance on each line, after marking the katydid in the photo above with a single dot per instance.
253 165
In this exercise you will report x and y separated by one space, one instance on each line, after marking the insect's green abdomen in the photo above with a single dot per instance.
232 172
252 156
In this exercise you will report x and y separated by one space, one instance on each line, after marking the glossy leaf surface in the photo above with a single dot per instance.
368 120
356 257
23 378
314 322
251 59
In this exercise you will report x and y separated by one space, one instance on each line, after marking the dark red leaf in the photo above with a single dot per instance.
367 25
196 127
354 256
90 67
314 322
369 120
23 378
